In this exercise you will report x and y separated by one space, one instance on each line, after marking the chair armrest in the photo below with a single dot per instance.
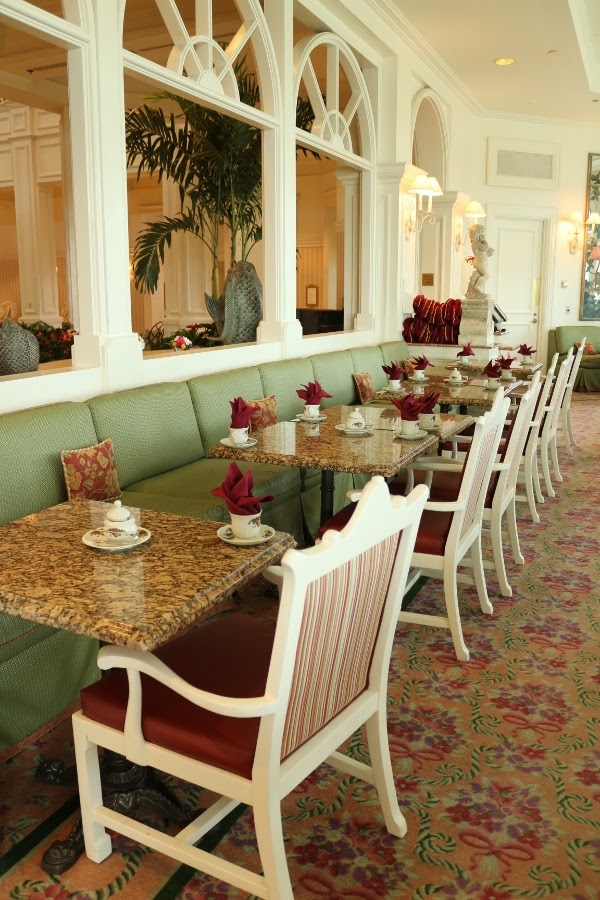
136 661
445 506
353 495
500 467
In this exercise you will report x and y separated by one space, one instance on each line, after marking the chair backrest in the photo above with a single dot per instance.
575 364
519 432
339 606
556 397
478 467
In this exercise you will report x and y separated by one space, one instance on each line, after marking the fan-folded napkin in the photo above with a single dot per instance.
492 370
394 371
236 491
467 350
410 406
420 362
240 413
312 393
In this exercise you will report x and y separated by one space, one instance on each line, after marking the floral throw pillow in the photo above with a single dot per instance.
91 473
588 350
364 386
264 412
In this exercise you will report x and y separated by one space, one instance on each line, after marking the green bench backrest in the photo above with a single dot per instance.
153 429
395 351
31 472
334 373
211 395
370 359
283 379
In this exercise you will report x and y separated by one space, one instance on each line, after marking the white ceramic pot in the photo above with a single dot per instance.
355 421
246 527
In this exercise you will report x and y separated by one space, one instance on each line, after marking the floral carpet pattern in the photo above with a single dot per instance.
497 761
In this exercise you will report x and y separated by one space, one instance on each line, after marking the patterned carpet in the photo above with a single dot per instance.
497 761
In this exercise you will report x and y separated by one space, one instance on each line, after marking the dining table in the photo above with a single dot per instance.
474 390
323 444
525 372
55 570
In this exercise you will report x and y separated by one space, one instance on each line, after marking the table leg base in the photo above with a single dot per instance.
55 771
128 789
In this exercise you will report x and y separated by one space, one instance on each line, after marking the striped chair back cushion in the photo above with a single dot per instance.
341 620
486 448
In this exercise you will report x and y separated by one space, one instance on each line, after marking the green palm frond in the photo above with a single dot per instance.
150 245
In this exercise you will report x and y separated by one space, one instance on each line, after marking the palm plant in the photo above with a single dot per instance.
214 160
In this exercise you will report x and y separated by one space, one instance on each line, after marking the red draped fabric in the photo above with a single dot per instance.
433 322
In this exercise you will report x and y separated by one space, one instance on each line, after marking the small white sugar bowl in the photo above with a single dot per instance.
455 377
119 517
355 420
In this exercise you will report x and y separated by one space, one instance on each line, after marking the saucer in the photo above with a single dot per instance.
302 418
355 432
412 437
227 442
418 380
429 430
226 534
97 539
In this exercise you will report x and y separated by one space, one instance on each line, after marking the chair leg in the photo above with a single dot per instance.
529 486
536 479
98 845
511 520
546 468
554 452
569 427
451 598
479 575
498 552
381 763
269 837
565 416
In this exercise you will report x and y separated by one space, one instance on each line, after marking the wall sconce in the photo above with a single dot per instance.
422 186
576 236
593 221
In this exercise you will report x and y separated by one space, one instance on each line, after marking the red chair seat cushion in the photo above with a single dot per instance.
229 655
433 532
339 521
445 486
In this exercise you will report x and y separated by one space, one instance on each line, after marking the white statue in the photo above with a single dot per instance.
481 251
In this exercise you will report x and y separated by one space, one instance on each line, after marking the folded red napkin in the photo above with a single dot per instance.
312 393
506 361
240 413
467 350
525 350
428 401
420 362
236 491
492 370
394 371
409 407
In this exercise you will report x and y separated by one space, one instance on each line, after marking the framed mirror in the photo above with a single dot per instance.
590 286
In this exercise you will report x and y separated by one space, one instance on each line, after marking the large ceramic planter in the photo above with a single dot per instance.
19 349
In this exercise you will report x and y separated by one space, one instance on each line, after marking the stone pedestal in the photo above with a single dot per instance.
476 324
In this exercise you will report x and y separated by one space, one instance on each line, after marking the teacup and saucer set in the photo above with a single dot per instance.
409 430
239 439
418 376
429 421
120 531
245 531
312 413
355 424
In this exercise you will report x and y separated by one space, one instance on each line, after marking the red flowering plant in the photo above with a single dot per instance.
55 341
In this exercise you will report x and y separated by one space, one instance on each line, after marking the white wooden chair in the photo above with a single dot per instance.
565 410
449 531
529 477
443 475
548 432
248 710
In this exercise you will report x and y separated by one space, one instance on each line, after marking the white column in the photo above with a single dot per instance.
279 195
97 103
394 252
36 240
350 180
449 209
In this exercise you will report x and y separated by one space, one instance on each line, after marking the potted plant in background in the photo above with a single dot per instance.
215 161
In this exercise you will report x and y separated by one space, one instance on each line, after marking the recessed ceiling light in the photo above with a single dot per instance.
505 61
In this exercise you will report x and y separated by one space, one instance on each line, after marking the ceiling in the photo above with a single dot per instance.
556 45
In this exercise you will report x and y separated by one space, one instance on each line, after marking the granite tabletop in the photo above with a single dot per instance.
137 598
524 372
321 445
469 393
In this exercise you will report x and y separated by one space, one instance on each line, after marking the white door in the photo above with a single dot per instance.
518 266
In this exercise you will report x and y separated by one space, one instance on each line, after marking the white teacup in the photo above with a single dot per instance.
428 420
410 427
311 410
245 527
526 359
493 383
419 373
238 435
506 374
394 384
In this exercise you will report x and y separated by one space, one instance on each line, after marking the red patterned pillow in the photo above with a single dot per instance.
364 386
91 473
588 350
264 412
